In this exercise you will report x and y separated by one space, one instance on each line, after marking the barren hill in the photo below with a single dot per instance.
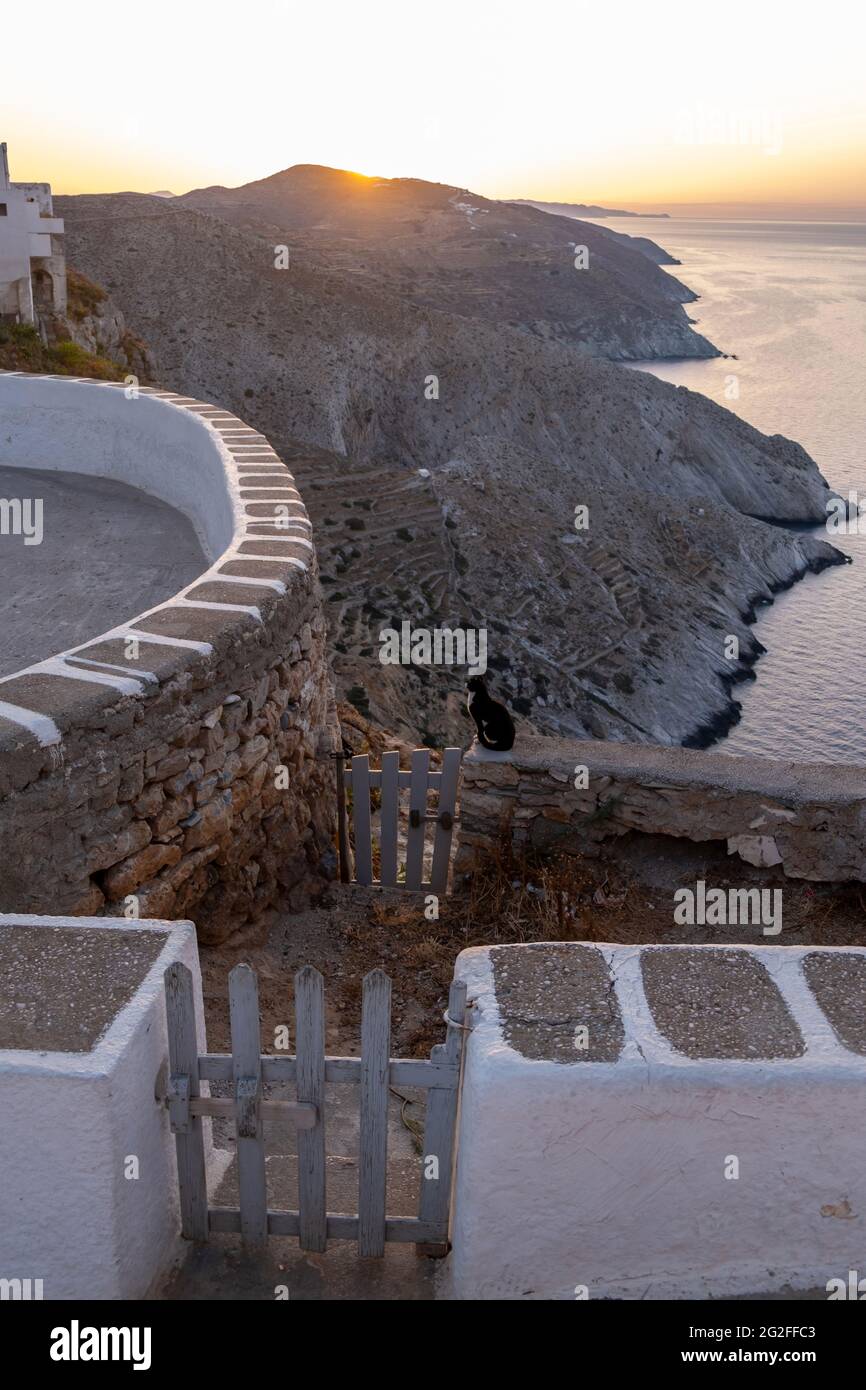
617 631
448 248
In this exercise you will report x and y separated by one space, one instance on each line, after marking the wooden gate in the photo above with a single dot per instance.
390 782
248 1070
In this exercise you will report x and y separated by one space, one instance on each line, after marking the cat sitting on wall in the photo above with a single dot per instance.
492 720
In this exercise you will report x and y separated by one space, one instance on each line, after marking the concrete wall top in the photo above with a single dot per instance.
750 1010
198 458
75 990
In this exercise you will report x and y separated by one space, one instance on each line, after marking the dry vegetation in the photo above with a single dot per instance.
22 350
513 899
83 296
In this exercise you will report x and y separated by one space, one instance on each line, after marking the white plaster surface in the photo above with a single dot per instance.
611 1175
170 447
68 1215
91 427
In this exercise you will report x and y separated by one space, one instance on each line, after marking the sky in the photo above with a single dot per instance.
624 104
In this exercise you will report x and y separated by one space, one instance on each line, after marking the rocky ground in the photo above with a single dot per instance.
442 457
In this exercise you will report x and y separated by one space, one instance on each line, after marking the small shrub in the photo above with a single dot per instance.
83 297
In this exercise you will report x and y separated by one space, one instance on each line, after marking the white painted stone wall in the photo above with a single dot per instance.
68 1215
609 1177
145 440
219 685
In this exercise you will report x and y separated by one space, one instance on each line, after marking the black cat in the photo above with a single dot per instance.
492 720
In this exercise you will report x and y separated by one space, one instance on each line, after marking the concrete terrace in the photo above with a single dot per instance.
108 551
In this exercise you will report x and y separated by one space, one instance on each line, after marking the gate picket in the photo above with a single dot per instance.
417 812
310 1029
361 816
440 1124
375 1069
247 1072
388 817
183 1087
447 802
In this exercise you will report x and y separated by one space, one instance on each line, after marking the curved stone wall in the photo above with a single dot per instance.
178 763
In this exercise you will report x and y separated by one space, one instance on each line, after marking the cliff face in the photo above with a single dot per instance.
96 323
618 630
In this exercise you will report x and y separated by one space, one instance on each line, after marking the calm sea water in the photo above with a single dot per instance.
790 300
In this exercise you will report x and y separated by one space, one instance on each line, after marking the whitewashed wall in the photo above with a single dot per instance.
609 1177
68 1214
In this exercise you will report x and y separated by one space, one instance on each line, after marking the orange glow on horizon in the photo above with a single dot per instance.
620 107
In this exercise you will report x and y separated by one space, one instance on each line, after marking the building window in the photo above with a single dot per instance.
2 209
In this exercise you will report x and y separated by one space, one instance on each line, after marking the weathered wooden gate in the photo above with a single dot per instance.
389 781
249 1071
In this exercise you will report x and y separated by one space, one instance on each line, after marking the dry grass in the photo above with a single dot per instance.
22 350
512 899
516 899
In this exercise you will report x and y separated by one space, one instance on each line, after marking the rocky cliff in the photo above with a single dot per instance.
90 340
442 457
96 323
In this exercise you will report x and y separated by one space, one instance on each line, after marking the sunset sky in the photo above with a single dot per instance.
628 104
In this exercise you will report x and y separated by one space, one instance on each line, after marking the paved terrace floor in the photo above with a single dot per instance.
108 552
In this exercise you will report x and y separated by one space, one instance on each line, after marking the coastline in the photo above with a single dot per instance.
712 731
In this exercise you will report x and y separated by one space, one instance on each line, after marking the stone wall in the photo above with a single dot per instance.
581 797
177 765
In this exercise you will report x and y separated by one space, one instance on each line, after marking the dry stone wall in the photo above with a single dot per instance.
177 765
560 795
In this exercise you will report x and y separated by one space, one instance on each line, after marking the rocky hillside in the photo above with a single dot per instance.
457 505
90 340
96 323
450 249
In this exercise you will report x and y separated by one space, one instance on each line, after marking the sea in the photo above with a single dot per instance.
789 300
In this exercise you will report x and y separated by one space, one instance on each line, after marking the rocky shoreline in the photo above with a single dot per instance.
713 730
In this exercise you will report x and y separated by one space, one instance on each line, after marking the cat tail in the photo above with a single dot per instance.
494 747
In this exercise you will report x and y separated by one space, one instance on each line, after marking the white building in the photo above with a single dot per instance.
32 261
